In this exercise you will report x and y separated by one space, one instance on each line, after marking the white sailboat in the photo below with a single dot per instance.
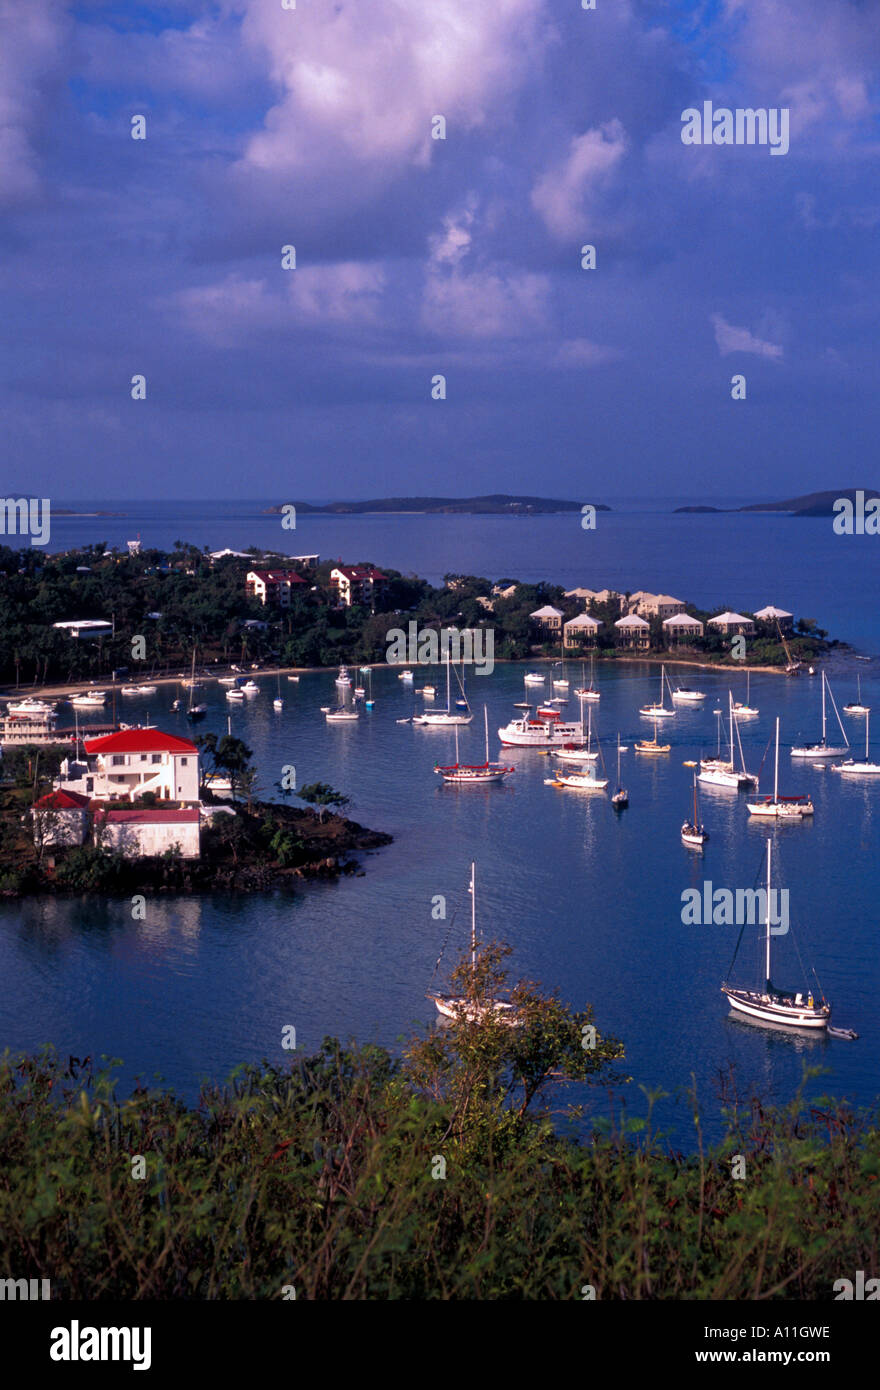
823 749
744 709
339 714
457 1006
620 799
533 678
851 768
781 807
589 692
278 702
560 682
693 832
475 774
194 711
584 754
443 718
687 695
858 707
772 1005
659 711
721 772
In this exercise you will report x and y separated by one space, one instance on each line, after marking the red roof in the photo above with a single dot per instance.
60 800
139 741
150 815
278 576
359 572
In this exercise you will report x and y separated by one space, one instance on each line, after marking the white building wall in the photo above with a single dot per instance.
140 840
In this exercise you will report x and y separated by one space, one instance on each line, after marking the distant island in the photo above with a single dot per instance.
497 504
810 504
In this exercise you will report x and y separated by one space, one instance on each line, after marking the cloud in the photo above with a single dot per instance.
314 297
731 339
580 352
560 196
359 84
32 56
486 304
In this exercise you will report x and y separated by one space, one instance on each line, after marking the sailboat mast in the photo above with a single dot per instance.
448 694
767 954
474 919
776 766
730 707
486 724
867 727
823 706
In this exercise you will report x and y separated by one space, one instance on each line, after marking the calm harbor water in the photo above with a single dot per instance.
590 901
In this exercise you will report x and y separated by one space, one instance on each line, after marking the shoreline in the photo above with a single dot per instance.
646 658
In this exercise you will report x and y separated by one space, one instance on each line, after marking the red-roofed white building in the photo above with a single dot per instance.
150 831
273 586
357 584
60 818
124 765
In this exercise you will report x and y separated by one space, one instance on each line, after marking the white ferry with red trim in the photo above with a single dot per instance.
546 730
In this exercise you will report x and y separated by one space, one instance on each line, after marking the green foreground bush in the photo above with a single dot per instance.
329 1177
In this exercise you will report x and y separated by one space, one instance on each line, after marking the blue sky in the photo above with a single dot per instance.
416 256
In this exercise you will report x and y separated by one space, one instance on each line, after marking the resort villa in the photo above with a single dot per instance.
547 621
581 631
273 586
732 624
634 631
357 584
772 616
124 766
682 628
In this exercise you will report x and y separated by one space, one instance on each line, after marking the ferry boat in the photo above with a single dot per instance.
546 730
17 730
